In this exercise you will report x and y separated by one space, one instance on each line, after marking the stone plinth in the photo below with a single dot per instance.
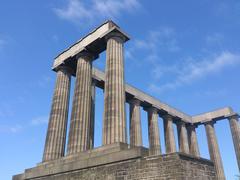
116 161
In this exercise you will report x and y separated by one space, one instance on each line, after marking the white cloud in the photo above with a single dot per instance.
10 129
75 10
215 93
39 120
113 8
16 128
215 39
80 11
193 69
156 42
163 38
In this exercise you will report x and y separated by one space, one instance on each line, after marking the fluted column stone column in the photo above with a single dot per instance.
214 150
153 132
135 123
93 96
169 134
56 133
192 139
182 138
79 133
114 125
235 130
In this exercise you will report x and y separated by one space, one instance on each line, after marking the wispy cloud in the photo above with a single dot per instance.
16 128
113 8
215 39
74 11
162 39
39 121
193 69
10 129
214 93
80 11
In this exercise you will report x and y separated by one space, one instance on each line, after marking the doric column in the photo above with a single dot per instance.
182 137
153 132
79 132
214 150
192 139
169 134
114 125
56 133
235 129
135 123
93 96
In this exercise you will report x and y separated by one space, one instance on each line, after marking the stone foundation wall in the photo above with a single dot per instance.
171 166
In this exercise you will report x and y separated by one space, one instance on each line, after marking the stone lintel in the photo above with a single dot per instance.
135 99
216 115
94 42
233 115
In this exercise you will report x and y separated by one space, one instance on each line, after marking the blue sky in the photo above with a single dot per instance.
185 53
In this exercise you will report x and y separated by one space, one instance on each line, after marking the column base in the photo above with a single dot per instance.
117 161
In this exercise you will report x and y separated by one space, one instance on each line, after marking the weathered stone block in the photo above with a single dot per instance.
117 162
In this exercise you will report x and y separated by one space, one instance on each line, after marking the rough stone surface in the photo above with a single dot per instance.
214 150
135 123
114 126
79 132
169 134
182 138
235 129
57 126
153 132
172 166
192 139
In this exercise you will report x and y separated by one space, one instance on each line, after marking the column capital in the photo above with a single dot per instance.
235 116
65 68
210 122
181 123
192 125
117 36
167 117
86 54
152 109
135 101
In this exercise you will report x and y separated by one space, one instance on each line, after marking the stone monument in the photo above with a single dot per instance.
118 159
